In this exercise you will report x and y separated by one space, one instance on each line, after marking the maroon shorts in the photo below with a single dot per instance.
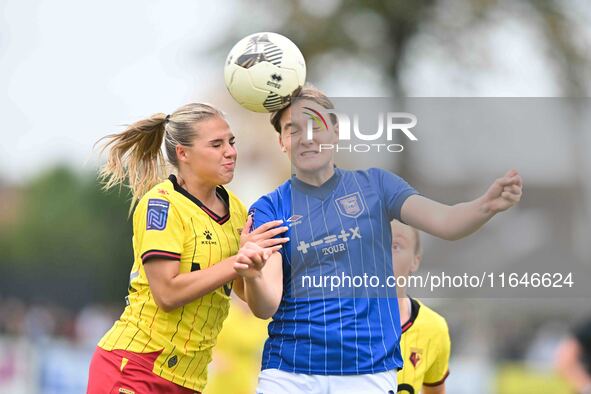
110 374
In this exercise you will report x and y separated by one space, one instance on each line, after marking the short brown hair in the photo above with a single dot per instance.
309 92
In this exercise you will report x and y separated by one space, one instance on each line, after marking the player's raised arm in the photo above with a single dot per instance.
172 289
460 220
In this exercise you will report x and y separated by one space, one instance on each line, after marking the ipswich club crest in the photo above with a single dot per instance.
350 205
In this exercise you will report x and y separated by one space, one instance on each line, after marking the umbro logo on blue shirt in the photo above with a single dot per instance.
293 220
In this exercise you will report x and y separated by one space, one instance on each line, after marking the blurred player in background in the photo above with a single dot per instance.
187 236
340 219
425 343
237 354
573 359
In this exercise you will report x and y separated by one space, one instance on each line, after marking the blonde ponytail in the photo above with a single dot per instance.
135 155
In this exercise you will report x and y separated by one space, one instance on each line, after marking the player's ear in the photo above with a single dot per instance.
283 148
416 262
181 153
335 127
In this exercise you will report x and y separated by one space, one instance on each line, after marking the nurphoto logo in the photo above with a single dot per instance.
389 123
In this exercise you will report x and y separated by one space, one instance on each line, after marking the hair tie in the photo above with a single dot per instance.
167 119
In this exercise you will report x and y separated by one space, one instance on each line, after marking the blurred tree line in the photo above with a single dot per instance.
382 32
70 242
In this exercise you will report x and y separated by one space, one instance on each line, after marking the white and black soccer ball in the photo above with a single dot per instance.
263 70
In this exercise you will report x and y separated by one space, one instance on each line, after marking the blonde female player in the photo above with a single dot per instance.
187 238
425 343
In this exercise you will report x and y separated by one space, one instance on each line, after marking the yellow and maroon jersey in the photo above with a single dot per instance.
425 347
169 223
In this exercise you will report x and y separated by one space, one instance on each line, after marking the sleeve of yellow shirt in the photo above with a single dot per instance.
439 369
158 229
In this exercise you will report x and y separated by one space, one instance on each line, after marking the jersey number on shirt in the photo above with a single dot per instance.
406 388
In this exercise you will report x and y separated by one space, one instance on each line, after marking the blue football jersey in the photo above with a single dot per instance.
339 232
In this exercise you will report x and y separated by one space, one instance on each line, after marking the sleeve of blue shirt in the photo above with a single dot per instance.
393 189
263 211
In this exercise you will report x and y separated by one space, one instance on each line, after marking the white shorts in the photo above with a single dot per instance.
275 381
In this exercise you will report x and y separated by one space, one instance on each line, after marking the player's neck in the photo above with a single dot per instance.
405 308
316 178
204 192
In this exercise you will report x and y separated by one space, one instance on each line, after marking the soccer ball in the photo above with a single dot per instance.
263 70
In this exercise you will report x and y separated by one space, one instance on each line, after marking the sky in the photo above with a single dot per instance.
72 72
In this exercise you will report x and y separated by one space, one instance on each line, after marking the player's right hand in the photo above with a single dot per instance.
504 193
264 235
251 259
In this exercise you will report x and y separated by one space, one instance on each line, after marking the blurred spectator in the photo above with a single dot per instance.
543 346
12 316
91 324
573 359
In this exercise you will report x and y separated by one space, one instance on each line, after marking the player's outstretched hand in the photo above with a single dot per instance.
251 259
264 235
503 193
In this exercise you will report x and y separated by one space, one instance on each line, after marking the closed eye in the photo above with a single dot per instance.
219 143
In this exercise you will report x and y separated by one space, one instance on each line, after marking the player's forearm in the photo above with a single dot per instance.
463 219
262 296
238 288
444 221
187 287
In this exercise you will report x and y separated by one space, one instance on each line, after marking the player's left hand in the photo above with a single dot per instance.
504 193
265 235
251 259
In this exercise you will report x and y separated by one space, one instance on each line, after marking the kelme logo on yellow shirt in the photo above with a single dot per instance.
208 238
